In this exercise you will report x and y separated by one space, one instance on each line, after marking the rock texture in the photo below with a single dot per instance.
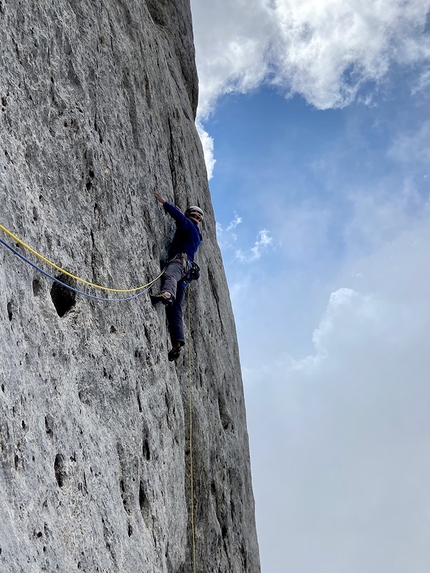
98 99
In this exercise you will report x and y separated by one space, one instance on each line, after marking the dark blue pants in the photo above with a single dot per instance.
172 283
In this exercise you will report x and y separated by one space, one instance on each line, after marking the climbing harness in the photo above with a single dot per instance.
193 273
190 268
64 272
142 289
190 398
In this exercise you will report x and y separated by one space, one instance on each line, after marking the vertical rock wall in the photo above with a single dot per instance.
98 99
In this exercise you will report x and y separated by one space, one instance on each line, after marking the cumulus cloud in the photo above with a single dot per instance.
322 49
229 37
347 315
325 50
344 485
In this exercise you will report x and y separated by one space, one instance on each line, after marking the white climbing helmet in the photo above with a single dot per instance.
195 214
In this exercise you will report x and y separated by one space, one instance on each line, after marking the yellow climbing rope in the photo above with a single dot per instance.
190 397
15 238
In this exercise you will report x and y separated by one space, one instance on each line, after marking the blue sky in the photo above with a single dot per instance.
316 114
299 173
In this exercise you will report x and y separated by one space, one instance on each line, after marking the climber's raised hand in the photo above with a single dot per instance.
159 197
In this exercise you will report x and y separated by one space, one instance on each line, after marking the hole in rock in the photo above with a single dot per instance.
223 414
48 424
10 309
63 298
142 496
145 450
144 504
37 287
147 334
158 12
60 473
123 494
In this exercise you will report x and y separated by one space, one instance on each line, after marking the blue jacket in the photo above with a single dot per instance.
187 237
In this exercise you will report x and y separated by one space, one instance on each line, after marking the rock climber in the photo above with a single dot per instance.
180 269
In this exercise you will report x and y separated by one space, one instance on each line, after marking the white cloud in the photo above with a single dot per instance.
263 241
208 149
235 222
229 38
226 238
325 50
219 231
348 466
422 82
348 313
321 49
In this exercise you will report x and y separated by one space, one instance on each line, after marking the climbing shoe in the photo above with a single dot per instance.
174 354
164 297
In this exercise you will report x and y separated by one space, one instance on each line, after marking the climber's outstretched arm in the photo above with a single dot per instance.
171 209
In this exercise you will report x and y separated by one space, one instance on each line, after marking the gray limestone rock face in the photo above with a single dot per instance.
97 109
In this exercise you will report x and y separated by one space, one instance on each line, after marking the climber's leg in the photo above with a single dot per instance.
176 323
173 273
